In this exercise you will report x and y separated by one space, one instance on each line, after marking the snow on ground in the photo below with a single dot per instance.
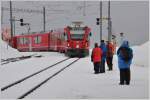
75 82
9 52
141 55
79 82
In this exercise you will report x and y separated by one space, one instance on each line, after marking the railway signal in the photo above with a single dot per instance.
22 24
97 19
21 20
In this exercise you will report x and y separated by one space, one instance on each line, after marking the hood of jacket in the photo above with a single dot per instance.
125 44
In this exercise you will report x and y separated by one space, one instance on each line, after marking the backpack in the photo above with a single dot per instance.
126 53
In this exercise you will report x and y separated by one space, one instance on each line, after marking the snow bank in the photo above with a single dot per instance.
9 52
141 54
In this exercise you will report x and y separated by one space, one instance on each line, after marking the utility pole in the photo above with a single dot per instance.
100 21
2 12
109 23
84 7
11 23
14 28
44 19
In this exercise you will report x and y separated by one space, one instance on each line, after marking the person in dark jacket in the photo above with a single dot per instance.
96 58
109 55
125 56
104 49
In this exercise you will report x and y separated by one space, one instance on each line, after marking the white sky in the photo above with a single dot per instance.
130 17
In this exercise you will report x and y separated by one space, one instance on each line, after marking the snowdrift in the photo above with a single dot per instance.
9 52
140 54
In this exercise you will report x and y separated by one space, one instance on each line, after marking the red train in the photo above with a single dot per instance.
73 41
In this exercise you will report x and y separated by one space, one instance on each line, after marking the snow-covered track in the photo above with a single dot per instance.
6 61
47 79
29 76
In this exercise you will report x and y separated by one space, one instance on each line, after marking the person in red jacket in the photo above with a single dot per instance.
109 55
96 58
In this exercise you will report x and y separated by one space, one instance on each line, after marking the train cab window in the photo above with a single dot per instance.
66 37
77 36
37 39
77 33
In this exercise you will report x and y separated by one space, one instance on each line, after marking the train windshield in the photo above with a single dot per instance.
77 34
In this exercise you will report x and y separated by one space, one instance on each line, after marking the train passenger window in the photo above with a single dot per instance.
23 40
26 40
20 40
37 39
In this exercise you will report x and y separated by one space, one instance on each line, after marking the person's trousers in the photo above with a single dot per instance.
96 67
125 76
102 66
109 62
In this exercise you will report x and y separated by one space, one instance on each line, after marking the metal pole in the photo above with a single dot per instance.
100 21
84 5
44 19
14 20
109 23
2 23
2 16
28 28
11 23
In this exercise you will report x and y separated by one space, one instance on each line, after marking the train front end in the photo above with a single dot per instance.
78 41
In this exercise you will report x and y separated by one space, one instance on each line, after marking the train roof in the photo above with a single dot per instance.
40 33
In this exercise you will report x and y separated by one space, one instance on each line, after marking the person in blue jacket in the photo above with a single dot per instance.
104 49
125 56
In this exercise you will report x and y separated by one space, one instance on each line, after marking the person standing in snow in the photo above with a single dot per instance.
125 56
104 49
96 58
109 55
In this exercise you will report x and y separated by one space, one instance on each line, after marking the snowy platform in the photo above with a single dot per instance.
75 82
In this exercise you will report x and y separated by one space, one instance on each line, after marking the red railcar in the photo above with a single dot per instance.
50 41
57 41
78 40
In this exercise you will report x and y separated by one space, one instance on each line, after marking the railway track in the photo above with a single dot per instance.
6 61
41 83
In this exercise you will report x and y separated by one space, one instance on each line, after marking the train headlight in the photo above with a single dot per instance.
87 44
77 46
68 44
